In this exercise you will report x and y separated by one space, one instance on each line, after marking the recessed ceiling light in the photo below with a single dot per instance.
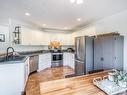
43 25
65 28
79 1
72 1
27 14
76 1
78 19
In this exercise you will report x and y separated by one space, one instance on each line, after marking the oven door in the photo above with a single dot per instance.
57 60
57 57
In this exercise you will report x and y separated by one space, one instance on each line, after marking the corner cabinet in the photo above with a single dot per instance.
68 59
108 52
44 61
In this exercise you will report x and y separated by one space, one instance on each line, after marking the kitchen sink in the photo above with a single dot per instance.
12 58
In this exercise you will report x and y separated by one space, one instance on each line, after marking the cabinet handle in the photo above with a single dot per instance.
115 57
102 59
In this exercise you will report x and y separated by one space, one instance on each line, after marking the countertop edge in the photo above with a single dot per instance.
14 62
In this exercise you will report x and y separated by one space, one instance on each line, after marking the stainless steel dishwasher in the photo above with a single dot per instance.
33 63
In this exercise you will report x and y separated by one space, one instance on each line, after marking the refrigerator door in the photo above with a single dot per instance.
79 67
80 48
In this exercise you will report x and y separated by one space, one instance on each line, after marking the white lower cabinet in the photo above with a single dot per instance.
13 77
68 59
44 61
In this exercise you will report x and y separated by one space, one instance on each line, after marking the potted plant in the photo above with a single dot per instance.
112 75
122 79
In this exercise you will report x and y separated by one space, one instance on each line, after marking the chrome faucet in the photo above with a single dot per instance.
11 52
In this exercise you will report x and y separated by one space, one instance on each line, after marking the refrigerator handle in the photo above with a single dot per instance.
78 48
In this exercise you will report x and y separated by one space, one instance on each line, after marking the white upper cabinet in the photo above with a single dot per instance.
31 37
36 37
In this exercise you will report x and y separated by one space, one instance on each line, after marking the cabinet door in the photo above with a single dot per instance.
98 55
12 79
41 62
107 43
118 52
71 59
68 60
48 60
44 61
65 59
33 39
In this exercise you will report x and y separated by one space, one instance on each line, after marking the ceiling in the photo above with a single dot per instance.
59 14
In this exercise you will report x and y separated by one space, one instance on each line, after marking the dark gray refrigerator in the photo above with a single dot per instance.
84 55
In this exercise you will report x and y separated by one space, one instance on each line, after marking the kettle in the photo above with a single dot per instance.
70 50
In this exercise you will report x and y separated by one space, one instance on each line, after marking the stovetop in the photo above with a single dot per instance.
56 51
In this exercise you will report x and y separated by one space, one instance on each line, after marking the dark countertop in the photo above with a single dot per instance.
15 59
24 55
68 51
35 53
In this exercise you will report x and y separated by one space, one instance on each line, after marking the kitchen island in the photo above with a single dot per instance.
81 85
14 74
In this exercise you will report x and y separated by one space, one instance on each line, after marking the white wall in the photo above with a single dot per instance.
89 31
4 30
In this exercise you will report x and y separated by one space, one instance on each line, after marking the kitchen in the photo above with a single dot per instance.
55 45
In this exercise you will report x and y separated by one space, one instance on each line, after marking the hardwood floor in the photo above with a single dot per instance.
33 84
80 85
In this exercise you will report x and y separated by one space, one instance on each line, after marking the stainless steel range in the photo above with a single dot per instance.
57 59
